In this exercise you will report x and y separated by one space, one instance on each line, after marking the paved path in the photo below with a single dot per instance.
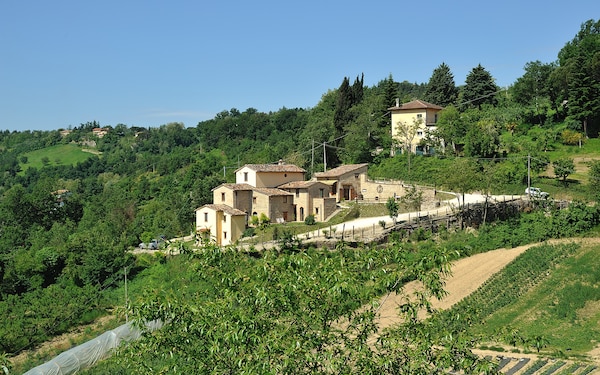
373 223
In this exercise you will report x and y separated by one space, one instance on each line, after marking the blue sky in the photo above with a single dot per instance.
148 63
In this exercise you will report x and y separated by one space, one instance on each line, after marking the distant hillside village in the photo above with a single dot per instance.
280 193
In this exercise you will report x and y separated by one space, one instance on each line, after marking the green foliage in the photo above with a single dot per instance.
571 137
479 88
509 284
293 312
392 207
563 168
310 220
412 199
441 89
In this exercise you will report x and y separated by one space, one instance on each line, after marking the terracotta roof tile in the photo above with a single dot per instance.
274 168
298 184
236 186
415 104
341 170
272 191
225 208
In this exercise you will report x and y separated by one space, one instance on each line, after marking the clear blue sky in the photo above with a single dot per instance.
148 63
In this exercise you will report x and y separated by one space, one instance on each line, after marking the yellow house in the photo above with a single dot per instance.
224 224
311 198
345 180
412 121
268 175
238 196
277 204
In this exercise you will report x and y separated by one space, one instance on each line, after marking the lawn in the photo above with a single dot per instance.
69 154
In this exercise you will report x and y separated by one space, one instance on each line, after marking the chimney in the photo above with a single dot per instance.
280 162
397 102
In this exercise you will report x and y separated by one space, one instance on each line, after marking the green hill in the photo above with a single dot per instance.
69 154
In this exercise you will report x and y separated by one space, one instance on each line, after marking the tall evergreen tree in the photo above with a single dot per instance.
441 89
532 90
344 102
357 90
390 91
479 88
582 93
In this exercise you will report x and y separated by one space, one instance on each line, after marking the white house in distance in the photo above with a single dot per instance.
419 114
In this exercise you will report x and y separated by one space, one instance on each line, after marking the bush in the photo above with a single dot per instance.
571 137
310 220
249 232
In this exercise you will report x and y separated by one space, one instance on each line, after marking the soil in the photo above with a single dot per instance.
467 275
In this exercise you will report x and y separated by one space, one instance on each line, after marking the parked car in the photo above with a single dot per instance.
152 245
534 192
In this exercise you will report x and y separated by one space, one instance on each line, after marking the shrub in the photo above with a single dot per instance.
310 220
249 232
571 138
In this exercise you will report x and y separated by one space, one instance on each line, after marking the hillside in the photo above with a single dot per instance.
63 154
470 273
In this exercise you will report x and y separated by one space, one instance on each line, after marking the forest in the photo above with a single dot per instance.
62 256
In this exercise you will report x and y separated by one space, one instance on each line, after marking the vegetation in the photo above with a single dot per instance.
69 219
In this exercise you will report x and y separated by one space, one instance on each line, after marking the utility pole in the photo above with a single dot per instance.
312 163
324 158
126 297
529 175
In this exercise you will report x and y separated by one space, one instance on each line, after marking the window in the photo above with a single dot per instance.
222 197
297 193
224 218
254 200
205 216
420 133
245 176
224 235
419 116
321 193
435 118
356 176
317 211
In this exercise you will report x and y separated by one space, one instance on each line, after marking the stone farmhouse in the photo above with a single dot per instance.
280 192
420 118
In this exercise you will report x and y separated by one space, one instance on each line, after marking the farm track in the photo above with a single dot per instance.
467 275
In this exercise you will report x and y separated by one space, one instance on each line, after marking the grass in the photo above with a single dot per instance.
564 308
68 154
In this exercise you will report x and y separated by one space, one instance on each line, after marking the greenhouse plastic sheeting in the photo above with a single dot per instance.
90 352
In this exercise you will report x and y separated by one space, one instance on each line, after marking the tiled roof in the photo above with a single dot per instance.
271 191
341 170
225 208
231 186
274 168
298 184
415 104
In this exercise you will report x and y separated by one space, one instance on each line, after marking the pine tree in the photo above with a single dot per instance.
441 89
479 88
